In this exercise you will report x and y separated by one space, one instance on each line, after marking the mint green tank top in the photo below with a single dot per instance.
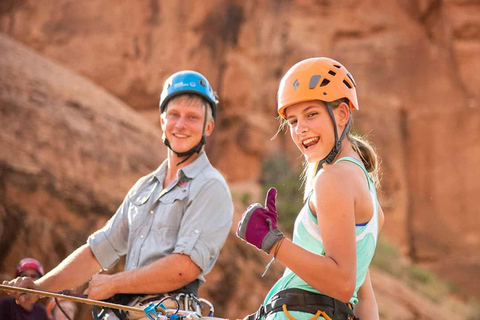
307 235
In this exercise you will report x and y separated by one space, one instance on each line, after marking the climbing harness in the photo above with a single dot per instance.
318 305
188 305
192 308
168 306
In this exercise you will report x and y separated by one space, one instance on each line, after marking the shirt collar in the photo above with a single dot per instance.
197 166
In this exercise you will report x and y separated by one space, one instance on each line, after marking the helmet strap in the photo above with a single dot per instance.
196 149
338 142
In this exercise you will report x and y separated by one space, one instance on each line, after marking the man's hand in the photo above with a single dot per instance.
258 225
25 300
101 287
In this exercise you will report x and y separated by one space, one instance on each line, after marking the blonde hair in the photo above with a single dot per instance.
194 99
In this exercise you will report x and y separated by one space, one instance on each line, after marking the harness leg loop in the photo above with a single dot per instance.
318 314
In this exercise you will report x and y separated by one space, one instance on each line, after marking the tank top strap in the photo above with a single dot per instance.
371 184
358 163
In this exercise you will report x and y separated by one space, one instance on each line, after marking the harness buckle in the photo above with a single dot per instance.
260 312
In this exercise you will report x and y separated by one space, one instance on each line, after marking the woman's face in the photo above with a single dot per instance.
311 129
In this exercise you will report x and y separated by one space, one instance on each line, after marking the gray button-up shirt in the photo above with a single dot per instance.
191 216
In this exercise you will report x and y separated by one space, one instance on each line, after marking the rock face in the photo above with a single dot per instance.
70 152
416 64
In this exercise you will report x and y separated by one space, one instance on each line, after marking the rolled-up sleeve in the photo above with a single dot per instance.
110 243
205 224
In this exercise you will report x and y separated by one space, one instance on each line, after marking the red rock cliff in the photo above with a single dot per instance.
416 64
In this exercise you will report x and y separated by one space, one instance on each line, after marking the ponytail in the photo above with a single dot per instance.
365 151
368 155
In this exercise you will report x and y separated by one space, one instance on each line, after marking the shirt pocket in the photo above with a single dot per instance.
143 193
170 209
137 204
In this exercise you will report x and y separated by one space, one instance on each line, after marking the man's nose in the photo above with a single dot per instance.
180 122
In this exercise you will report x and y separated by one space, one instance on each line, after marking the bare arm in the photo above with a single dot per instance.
72 272
367 308
334 273
164 275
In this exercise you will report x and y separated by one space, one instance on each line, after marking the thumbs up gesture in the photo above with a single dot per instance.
258 225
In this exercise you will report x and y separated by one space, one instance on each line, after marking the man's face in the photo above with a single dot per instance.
182 124
29 272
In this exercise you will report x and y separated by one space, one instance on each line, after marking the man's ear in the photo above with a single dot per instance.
209 128
162 122
343 114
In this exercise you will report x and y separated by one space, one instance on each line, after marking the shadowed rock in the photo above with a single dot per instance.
69 153
415 65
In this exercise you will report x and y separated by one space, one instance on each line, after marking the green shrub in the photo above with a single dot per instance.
388 258
278 173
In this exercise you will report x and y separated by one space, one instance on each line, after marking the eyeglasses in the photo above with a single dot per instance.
30 275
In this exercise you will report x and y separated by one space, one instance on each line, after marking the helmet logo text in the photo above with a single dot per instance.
183 84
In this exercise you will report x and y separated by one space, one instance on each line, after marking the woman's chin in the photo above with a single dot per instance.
313 158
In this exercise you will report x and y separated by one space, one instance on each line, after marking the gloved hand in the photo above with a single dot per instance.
258 225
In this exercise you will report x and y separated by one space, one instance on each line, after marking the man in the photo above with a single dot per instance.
172 223
26 310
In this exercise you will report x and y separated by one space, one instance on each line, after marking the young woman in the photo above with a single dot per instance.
336 231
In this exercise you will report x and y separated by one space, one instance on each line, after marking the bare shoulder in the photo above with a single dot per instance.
332 191
336 178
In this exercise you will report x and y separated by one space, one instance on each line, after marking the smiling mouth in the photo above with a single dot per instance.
180 135
308 143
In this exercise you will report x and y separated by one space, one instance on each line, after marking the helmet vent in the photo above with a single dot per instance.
333 73
347 84
314 80
337 66
324 82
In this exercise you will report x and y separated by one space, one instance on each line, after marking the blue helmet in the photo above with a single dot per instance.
188 81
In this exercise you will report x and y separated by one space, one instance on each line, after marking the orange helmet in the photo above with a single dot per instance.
316 79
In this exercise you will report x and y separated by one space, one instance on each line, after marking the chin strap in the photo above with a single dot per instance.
189 153
196 149
338 142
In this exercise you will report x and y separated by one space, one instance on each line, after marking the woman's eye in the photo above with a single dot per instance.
312 114
292 122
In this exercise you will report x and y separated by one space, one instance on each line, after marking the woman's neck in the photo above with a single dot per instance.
347 151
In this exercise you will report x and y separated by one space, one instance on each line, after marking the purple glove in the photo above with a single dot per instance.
258 225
